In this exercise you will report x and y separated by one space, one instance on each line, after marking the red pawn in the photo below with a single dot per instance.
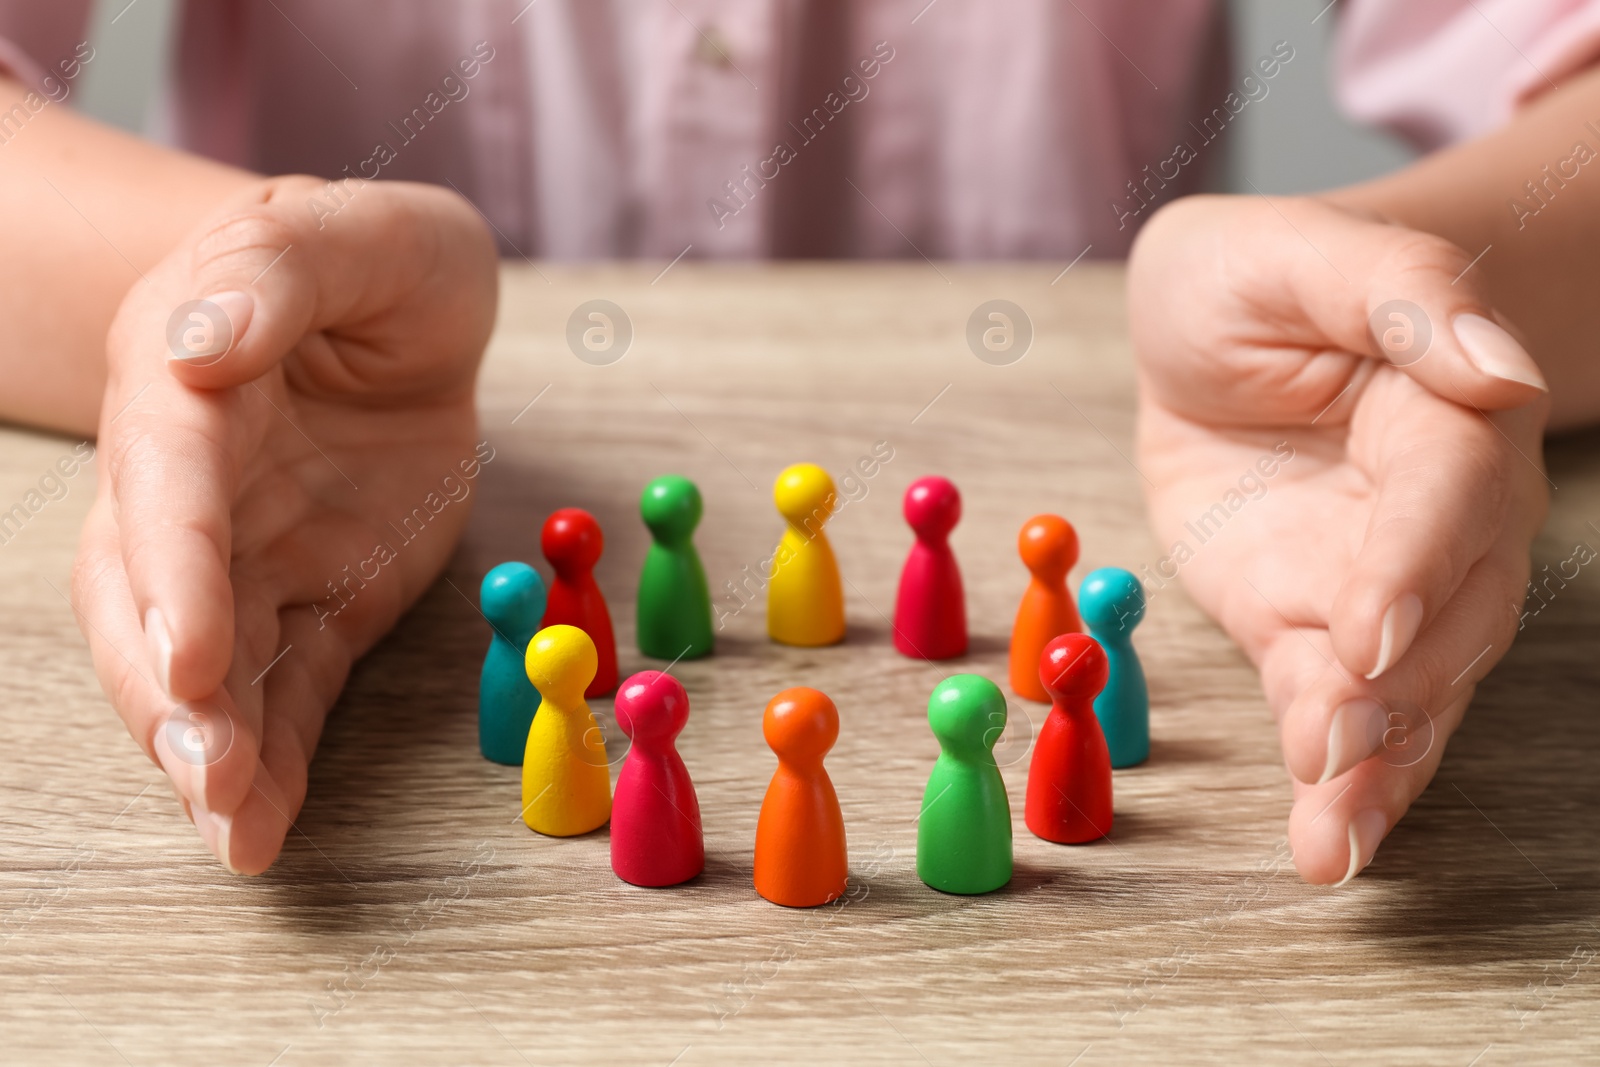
572 542
930 612
1069 780
655 817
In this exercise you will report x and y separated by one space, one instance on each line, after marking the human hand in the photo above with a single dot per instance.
242 488
1373 565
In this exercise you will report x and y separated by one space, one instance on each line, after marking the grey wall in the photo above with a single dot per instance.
1292 141
132 42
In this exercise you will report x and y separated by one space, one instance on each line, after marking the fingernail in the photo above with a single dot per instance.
1400 624
1354 733
201 335
1495 352
1366 831
215 831
155 632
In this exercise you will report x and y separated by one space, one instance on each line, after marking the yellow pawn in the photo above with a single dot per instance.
805 605
566 783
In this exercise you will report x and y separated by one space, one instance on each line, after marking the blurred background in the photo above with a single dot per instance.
1294 141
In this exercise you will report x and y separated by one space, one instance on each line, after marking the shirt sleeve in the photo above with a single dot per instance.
1438 71
35 37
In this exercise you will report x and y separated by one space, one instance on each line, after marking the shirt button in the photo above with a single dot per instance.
713 49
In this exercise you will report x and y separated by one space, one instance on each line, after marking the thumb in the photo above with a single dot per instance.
268 271
1267 307
251 284
1409 299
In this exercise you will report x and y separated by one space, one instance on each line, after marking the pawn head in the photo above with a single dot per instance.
932 507
800 725
805 495
671 507
1073 667
1111 600
571 540
512 598
967 713
652 707
1048 546
561 662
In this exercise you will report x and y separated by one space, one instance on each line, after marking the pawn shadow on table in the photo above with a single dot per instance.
983 644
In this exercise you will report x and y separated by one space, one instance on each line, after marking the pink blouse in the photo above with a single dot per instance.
743 128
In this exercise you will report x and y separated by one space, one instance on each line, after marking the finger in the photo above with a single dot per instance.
208 747
171 472
299 691
1339 721
1443 477
1335 828
1295 660
268 276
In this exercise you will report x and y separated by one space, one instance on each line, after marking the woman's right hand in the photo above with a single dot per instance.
259 448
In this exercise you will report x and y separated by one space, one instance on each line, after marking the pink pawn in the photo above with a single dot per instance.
930 612
655 818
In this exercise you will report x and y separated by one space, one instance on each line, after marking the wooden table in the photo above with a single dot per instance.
413 919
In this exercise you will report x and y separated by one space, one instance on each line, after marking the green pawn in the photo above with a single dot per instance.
964 831
674 616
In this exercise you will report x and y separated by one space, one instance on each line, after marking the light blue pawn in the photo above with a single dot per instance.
512 597
1111 601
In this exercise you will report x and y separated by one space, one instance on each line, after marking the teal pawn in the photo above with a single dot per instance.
1112 603
674 614
512 598
964 831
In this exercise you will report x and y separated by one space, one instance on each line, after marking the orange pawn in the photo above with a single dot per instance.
1049 546
801 859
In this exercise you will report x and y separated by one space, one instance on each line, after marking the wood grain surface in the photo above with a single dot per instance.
413 918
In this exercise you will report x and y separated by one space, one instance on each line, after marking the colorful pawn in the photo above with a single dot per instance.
930 611
512 599
1069 780
655 817
1049 547
801 859
1112 601
566 782
805 602
572 542
964 831
674 611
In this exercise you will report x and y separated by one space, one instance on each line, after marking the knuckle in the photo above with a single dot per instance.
1484 459
1434 669
88 569
1413 252
136 454
238 242
292 187
92 570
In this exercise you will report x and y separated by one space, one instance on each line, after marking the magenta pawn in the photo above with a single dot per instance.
656 838
930 612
